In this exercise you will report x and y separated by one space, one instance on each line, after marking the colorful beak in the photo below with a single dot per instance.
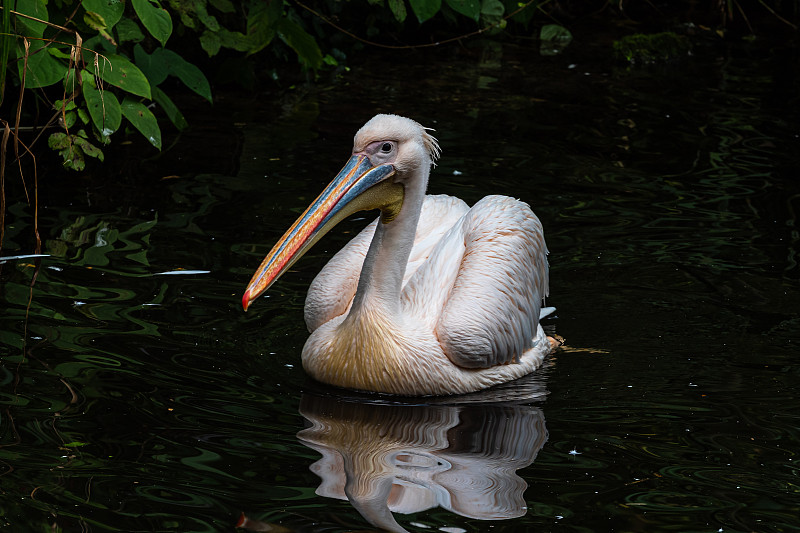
358 186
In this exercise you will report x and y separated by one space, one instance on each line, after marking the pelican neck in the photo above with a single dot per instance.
381 278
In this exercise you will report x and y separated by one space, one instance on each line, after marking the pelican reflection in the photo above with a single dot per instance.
407 458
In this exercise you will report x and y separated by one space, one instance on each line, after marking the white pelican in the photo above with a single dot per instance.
432 298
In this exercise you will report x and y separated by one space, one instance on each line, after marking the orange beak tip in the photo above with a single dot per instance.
246 299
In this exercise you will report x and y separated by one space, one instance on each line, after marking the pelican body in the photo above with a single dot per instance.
433 297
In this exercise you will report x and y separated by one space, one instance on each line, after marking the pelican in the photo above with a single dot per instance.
433 297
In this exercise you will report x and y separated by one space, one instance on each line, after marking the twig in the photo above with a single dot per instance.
23 15
19 114
766 6
412 46
744 16
3 146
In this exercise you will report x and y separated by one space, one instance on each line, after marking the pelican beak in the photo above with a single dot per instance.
358 186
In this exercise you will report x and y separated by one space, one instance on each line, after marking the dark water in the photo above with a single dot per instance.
137 396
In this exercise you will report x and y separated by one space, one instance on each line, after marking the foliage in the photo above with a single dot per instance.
554 39
106 61
100 79
653 48
100 64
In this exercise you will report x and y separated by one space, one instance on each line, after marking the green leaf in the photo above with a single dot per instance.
162 62
261 22
143 120
425 9
301 42
84 116
58 53
185 10
209 21
103 107
210 42
110 10
124 74
492 10
226 6
68 106
155 71
43 68
69 119
58 140
193 78
155 18
88 148
97 44
554 38
69 152
468 8
169 107
555 32
73 159
128 30
234 39
94 20
32 8
98 23
189 74
398 8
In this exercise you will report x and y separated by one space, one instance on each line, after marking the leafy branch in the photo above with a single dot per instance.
88 112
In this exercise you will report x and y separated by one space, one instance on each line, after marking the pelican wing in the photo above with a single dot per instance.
439 214
491 314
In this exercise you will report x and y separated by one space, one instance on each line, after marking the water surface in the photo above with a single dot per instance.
137 396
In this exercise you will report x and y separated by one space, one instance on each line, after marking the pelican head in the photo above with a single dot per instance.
389 153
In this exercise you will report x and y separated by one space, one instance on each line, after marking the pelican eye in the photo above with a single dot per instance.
386 147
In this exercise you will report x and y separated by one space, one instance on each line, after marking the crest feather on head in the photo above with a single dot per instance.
431 144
